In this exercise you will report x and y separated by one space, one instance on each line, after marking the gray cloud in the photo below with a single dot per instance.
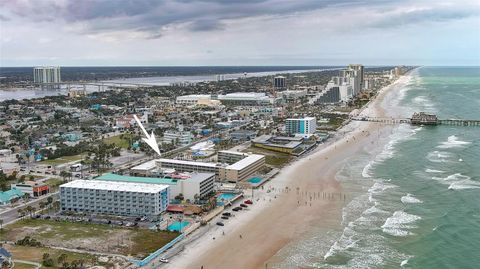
153 16
4 18
440 14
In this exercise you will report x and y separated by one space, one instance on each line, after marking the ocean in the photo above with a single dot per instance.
417 195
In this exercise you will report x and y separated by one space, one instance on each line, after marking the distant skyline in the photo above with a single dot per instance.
239 32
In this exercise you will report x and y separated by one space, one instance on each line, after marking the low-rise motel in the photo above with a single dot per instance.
246 166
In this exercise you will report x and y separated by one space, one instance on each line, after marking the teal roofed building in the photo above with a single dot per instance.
148 180
6 197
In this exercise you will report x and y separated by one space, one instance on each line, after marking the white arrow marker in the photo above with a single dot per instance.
150 140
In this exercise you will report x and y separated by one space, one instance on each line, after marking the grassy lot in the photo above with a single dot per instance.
93 237
273 158
19 265
122 141
35 254
53 183
64 159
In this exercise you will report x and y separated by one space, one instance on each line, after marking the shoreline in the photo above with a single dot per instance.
316 200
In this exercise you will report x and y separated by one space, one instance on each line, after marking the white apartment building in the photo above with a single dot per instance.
191 185
189 166
304 126
243 169
177 137
46 74
114 198
230 157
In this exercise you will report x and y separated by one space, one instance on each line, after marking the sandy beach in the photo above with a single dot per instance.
305 194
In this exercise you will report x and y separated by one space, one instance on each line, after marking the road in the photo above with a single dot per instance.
11 215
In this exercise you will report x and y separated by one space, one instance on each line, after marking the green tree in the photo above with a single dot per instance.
62 258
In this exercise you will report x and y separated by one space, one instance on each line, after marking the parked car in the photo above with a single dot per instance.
243 205
224 217
248 202
236 209
164 260
228 214
220 223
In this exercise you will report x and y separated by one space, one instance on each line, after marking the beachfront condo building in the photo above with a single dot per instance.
303 126
360 71
191 185
114 198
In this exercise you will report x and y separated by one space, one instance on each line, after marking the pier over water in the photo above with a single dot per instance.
421 118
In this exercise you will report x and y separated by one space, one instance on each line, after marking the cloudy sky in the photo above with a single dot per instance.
239 32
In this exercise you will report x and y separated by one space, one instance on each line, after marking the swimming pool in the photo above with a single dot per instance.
225 197
178 226
255 180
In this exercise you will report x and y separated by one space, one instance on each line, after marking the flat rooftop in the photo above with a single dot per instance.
115 186
146 166
213 165
279 141
245 162
233 152
146 180
305 118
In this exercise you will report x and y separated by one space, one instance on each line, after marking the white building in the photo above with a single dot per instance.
189 166
191 185
245 99
177 137
47 74
197 185
303 126
192 99
237 171
243 169
230 157
360 73
114 198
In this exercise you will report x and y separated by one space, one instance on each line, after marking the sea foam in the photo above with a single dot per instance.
410 199
439 156
399 223
453 142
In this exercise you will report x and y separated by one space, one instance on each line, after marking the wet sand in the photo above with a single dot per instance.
304 195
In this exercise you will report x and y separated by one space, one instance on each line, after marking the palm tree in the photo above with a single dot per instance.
30 210
21 212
